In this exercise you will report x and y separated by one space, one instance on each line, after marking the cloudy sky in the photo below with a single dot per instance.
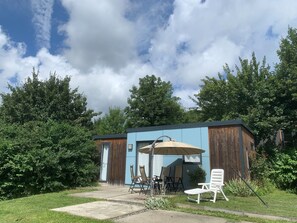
107 45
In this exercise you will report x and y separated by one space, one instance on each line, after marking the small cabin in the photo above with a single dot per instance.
227 145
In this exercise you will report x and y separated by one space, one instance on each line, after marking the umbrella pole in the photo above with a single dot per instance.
152 161
151 169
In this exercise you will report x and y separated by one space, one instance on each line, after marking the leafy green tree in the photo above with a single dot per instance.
285 85
192 115
212 99
112 123
244 94
38 100
45 138
153 103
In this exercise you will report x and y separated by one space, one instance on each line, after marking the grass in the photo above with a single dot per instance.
36 209
280 203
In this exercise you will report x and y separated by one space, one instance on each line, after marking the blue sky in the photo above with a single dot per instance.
107 45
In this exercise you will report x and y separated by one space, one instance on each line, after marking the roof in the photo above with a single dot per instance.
110 136
179 126
191 125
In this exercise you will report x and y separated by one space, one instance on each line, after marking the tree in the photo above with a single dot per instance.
247 95
112 123
153 103
285 85
45 139
38 100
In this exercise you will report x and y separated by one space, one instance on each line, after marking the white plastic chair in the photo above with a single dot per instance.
214 186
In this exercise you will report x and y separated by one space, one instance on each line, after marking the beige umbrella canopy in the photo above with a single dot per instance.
168 148
172 148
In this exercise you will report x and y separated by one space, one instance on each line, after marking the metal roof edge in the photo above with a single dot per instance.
110 136
190 125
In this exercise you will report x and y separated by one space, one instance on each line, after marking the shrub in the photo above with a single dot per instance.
284 171
238 188
260 168
197 176
260 173
155 203
42 157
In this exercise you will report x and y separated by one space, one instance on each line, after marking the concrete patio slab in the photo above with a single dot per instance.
102 209
161 216
114 193
122 206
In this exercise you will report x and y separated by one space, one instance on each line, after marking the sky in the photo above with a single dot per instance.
107 45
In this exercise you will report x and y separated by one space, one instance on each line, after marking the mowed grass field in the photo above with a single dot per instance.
37 208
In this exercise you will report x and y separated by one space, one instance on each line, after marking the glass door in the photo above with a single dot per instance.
104 161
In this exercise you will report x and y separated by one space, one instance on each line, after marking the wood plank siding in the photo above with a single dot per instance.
116 159
248 144
229 147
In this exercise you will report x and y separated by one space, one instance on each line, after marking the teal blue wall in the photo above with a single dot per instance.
194 136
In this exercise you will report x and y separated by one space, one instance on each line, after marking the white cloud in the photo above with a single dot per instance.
99 34
42 13
110 46
201 38
13 64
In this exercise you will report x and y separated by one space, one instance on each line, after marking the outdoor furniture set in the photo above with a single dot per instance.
165 183
161 184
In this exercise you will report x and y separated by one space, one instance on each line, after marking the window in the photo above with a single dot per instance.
192 159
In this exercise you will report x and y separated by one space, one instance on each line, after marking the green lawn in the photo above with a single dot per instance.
36 209
280 203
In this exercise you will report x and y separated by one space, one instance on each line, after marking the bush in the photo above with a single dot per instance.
238 188
260 173
42 157
197 176
155 203
284 169
260 168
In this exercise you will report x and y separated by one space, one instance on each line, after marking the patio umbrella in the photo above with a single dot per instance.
168 148
171 148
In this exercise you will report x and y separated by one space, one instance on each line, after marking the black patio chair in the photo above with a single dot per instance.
178 178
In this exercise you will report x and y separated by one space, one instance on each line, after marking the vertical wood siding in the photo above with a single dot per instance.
248 148
116 160
224 147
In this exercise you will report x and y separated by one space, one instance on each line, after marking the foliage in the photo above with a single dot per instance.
157 203
197 176
237 95
112 123
153 103
39 157
266 101
192 115
285 84
260 168
284 169
38 100
237 187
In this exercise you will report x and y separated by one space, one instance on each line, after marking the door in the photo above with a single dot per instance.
144 159
104 161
